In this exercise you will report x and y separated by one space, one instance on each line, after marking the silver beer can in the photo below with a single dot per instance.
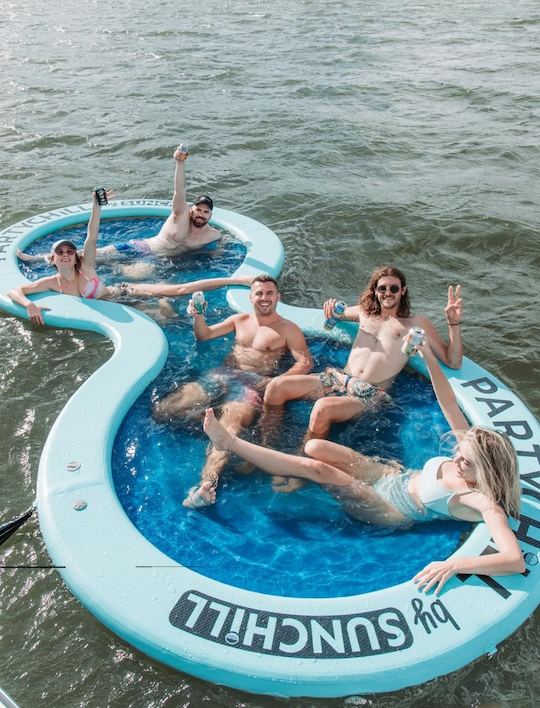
417 336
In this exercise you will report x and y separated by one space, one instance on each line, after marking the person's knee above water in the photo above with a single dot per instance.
376 355
479 483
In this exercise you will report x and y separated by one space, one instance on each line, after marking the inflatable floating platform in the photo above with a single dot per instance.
268 644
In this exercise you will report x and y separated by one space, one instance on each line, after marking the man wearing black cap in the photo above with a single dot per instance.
186 228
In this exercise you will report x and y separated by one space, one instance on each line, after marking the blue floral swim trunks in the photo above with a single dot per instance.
338 383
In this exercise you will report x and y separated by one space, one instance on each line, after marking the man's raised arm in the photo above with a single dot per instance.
179 203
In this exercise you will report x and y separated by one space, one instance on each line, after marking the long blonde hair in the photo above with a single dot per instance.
496 466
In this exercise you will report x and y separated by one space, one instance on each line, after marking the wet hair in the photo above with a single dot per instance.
265 278
78 260
496 467
369 302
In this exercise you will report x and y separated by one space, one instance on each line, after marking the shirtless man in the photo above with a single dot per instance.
375 359
186 228
261 340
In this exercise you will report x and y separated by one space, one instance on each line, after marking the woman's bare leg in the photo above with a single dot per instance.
177 290
366 469
359 499
272 461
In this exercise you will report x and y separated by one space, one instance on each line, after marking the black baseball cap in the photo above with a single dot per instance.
204 199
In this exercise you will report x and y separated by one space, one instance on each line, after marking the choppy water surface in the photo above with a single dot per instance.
361 133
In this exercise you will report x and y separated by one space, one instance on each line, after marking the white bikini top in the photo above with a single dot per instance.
432 493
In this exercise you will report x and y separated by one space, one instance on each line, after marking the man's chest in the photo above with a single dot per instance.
261 338
387 334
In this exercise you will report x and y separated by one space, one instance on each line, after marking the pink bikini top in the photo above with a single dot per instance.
92 289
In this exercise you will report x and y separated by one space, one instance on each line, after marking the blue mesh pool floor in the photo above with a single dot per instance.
300 544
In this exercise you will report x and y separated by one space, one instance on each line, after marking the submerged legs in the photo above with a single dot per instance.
236 416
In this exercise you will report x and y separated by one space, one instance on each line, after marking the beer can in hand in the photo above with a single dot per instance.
101 196
417 335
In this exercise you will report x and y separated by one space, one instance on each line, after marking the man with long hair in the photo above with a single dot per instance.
376 356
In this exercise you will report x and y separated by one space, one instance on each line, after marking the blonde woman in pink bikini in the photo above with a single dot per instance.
76 275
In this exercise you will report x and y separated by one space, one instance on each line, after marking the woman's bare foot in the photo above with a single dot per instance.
221 439
247 280
204 495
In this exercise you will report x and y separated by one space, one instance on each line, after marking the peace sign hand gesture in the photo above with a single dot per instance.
454 309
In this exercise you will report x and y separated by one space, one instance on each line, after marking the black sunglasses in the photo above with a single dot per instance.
393 288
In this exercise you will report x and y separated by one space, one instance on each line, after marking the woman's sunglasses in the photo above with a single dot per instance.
393 288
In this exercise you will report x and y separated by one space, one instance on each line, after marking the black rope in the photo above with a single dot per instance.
9 528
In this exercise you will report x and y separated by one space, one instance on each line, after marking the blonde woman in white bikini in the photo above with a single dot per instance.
479 483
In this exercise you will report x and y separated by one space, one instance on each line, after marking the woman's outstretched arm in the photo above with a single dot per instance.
90 243
272 461
32 258
507 561
443 391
